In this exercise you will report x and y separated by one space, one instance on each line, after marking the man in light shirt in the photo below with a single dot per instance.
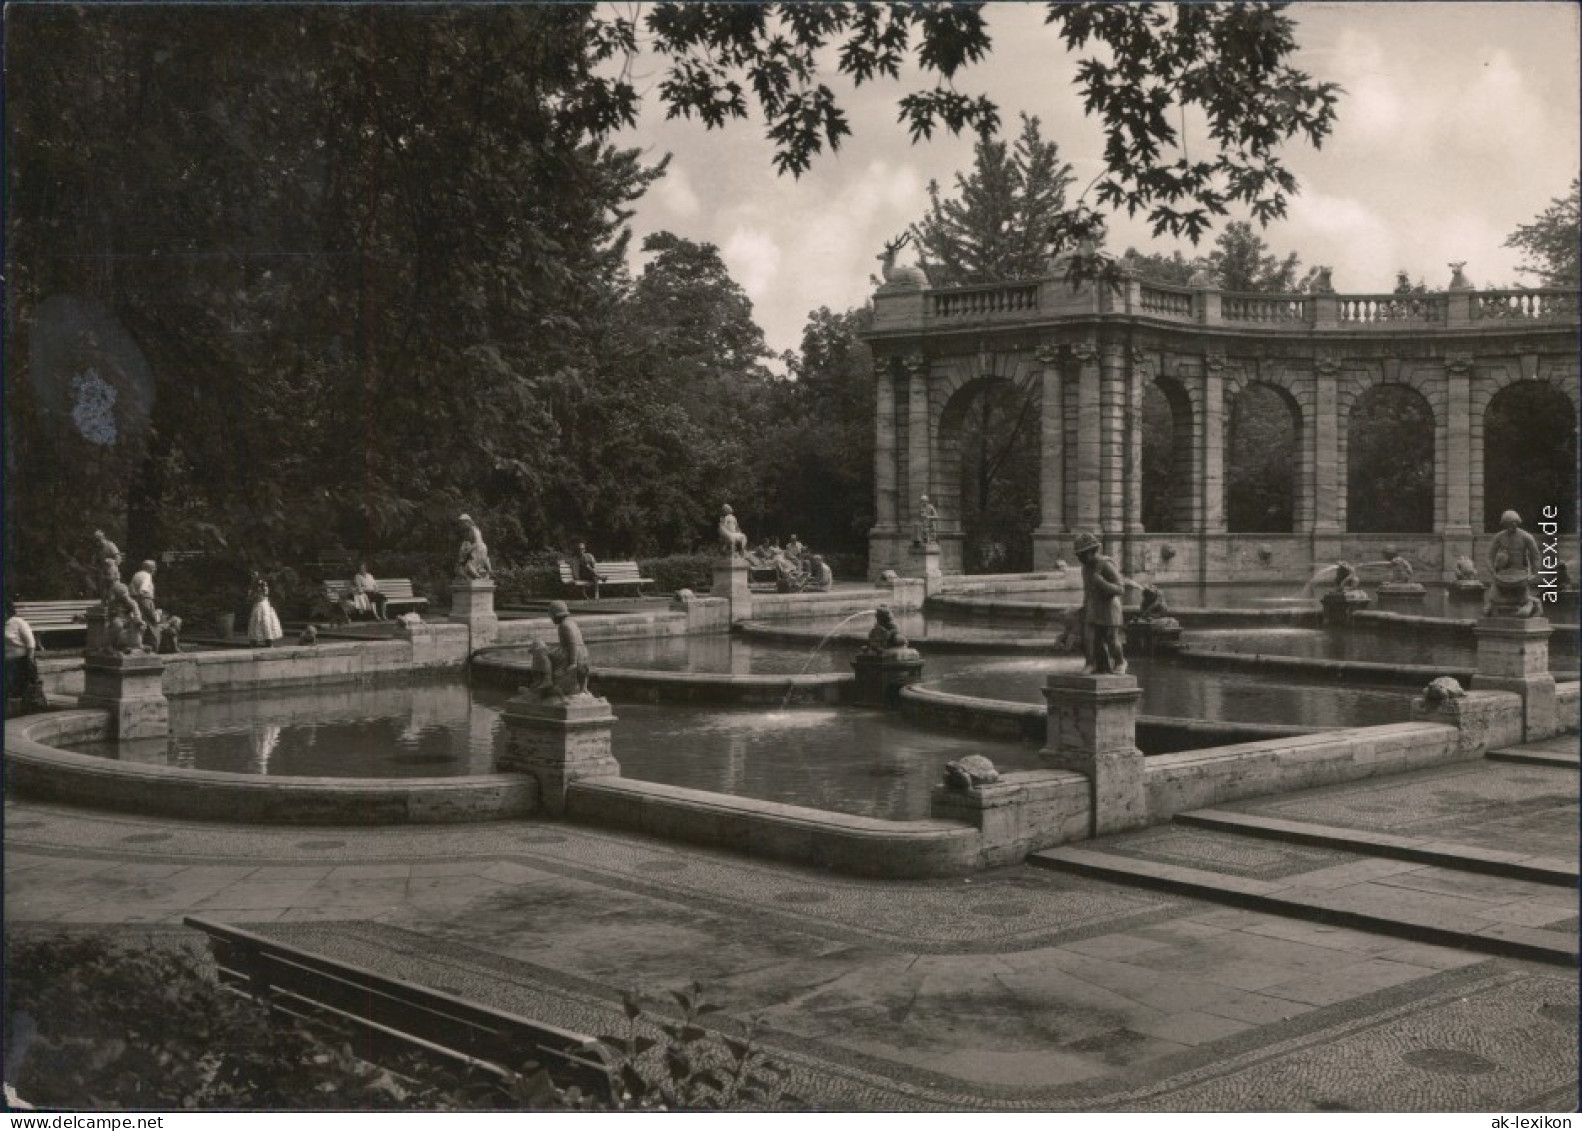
142 586
21 650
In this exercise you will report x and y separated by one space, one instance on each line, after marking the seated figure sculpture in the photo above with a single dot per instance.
733 542
1514 558
1346 576
472 558
1400 568
571 659
125 629
1465 570
108 558
883 635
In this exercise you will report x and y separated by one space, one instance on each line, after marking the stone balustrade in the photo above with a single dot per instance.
1039 300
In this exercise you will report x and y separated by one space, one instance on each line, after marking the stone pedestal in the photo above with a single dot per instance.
1468 589
907 594
1339 604
132 689
1402 597
98 636
880 678
1513 655
730 582
557 741
1092 730
1154 634
472 604
928 559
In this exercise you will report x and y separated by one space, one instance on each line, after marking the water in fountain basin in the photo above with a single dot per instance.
791 687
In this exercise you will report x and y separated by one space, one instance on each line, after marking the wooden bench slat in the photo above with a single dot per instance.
389 1005
397 591
610 573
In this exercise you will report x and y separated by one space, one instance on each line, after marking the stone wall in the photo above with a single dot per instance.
1198 779
36 769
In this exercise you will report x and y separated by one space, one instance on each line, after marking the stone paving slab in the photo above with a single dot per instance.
1517 865
1019 989
1378 895
1562 750
1484 805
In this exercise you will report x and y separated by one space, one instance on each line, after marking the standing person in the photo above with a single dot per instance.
588 568
142 586
263 626
822 579
365 585
21 654
571 664
1102 615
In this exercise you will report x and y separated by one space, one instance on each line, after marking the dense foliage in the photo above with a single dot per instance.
1550 242
292 281
1001 224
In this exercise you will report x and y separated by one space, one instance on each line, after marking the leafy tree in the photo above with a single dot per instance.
1001 225
1550 242
1173 270
820 453
1530 455
1242 263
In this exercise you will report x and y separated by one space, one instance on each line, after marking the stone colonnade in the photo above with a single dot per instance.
1087 359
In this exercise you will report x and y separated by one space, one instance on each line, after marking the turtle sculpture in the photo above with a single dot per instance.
973 770
1442 689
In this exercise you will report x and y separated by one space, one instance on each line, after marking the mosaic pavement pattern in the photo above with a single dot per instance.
1465 1040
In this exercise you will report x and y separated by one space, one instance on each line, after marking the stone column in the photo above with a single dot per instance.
1092 730
1458 529
1327 486
1089 441
1114 440
919 434
1513 655
558 741
131 688
730 582
1132 468
886 534
472 604
1048 538
1211 479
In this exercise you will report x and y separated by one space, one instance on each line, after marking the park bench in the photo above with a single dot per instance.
54 617
390 1015
613 573
397 590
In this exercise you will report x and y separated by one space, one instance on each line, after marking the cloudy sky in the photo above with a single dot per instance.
1460 122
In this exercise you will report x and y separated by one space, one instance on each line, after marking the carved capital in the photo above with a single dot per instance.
916 364
1459 364
1083 352
1327 366
1214 364
1046 355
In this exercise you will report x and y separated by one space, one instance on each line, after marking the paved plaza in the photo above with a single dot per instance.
1025 988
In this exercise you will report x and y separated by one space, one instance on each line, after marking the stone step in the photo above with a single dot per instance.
1373 907
1467 858
1531 757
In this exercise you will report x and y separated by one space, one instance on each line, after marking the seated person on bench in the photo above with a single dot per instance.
587 568
822 579
364 592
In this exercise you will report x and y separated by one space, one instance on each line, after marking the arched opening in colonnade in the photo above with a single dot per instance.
1262 461
1530 455
989 447
1390 462
1167 457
